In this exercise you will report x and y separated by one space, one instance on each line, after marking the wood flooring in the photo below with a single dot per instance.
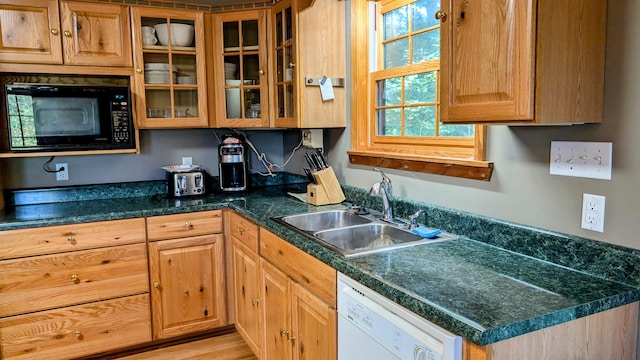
223 347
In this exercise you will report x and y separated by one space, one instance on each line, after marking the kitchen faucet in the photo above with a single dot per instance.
384 189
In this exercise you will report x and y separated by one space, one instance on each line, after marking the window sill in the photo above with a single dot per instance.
462 168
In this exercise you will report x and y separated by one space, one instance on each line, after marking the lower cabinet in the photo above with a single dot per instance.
284 299
73 290
76 331
186 273
298 324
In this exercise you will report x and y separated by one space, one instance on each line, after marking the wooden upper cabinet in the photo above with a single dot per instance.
308 44
239 61
522 62
76 33
95 34
30 31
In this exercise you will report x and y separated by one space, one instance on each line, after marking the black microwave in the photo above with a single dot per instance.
44 117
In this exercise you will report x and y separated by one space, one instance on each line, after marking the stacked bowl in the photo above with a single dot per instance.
230 71
181 34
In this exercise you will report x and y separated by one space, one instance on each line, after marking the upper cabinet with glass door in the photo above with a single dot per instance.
539 62
170 79
240 64
309 46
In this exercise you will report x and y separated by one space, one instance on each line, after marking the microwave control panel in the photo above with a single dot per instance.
121 121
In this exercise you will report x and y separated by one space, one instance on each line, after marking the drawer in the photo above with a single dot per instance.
49 281
77 330
55 239
184 225
244 230
310 272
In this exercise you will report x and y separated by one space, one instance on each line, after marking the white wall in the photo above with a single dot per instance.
521 189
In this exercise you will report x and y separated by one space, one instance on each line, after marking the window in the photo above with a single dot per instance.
396 65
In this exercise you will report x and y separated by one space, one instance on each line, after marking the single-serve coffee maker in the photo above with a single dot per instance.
233 166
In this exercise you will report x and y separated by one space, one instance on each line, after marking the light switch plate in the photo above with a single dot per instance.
581 159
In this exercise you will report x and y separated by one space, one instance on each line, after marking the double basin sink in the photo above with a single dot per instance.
351 234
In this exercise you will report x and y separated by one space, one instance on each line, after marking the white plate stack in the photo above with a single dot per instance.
158 73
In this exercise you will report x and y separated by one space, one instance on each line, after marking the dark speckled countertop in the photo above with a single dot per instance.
497 281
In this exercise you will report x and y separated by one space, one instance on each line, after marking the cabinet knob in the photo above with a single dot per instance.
156 284
284 332
255 301
54 31
442 16
240 230
139 71
261 72
291 338
292 65
67 33
75 278
189 225
78 334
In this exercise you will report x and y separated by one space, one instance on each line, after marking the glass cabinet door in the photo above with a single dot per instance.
285 62
240 61
170 73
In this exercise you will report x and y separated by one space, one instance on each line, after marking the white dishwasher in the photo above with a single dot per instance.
373 327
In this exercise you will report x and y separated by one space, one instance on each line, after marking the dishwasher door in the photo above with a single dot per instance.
372 327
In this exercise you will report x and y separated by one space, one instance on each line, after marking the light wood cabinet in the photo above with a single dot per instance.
73 290
240 67
186 273
522 62
299 311
76 33
308 44
246 281
170 76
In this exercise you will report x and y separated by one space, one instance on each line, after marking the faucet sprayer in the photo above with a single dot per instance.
385 190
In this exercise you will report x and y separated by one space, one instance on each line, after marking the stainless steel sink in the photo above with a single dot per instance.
317 221
350 234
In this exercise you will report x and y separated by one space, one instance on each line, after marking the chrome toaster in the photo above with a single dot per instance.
186 183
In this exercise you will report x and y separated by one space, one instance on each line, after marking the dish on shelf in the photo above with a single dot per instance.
186 80
158 113
181 34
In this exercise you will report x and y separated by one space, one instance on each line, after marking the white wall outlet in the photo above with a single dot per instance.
187 160
593 212
581 159
62 172
312 138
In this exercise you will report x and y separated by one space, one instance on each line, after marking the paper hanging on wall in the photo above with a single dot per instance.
326 88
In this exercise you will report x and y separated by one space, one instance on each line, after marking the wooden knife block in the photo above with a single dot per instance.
327 191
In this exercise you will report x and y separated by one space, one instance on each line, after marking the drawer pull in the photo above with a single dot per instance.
188 225
71 240
156 284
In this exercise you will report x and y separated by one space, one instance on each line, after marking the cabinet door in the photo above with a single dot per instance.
187 278
240 61
283 22
487 61
170 79
30 31
314 325
246 285
95 34
276 295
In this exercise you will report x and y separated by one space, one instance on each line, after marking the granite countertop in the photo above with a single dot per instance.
476 289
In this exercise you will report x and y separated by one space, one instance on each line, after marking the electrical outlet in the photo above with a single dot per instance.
581 159
593 212
312 138
187 160
62 172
